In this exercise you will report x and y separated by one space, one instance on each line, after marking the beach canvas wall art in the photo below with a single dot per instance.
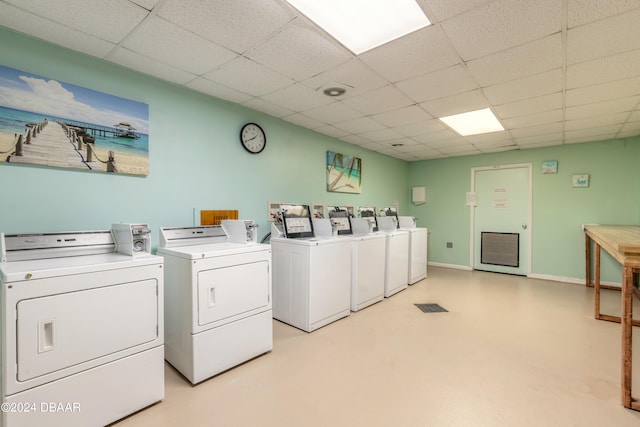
47 122
344 173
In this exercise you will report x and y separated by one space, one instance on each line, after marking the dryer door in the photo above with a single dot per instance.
234 291
58 331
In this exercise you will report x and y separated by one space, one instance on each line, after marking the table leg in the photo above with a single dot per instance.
587 263
626 326
596 282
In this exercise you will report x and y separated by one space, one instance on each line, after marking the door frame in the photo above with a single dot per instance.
472 215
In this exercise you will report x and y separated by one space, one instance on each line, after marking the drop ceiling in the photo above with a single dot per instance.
553 71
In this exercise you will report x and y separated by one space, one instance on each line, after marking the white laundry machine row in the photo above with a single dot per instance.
417 248
311 275
82 326
218 306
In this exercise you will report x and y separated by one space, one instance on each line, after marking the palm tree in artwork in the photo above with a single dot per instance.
354 165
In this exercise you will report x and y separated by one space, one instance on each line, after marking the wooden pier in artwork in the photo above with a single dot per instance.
57 144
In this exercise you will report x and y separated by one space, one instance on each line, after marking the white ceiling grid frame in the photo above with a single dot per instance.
519 56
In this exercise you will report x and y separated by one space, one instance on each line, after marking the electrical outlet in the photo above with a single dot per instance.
449 245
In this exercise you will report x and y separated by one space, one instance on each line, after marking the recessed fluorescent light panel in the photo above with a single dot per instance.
473 122
361 25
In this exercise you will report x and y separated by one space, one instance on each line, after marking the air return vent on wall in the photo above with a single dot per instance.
500 249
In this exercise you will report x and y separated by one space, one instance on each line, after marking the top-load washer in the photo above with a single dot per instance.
397 255
368 264
417 248
82 326
218 297
311 275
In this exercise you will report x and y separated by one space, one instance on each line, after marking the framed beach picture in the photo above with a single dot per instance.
48 122
344 173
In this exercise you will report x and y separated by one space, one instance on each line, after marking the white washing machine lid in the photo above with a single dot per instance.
212 250
15 271
314 241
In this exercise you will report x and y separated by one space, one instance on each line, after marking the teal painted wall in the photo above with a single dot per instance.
196 160
613 197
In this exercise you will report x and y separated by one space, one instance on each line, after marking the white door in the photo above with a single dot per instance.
501 219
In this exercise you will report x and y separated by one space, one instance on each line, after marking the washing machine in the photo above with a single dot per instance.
82 327
218 307
311 275
396 276
368 265
417 248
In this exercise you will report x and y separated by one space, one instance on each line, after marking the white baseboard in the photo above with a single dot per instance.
453 266
574 280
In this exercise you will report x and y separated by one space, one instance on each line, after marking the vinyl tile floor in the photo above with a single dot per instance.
510 351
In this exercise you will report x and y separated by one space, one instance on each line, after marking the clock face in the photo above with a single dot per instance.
253 138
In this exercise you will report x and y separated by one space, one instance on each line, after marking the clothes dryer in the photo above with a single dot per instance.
218 308
417 248
82 328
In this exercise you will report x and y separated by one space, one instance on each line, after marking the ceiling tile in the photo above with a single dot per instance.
147 4
533 119
383 135
461 103
450 81
235 24
526 87
595 122
603 92
23 21
606 37
298 97
250 77
585 11
304 121
354 74
267 107
402 116
525 60
283 52
164 42
601 70
537 130
502 24
599 134
378 100
219 91
450 8
332 131
421 128
548 138
150 66
359 125
530 106
415 54
110 20
594 110
332 113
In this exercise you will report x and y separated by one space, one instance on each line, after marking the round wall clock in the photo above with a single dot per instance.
253 138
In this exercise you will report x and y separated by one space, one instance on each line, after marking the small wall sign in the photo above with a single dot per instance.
580 180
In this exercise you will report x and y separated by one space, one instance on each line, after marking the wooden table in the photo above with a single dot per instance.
622 242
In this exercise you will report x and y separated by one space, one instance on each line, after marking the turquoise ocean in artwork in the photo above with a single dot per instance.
14 121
